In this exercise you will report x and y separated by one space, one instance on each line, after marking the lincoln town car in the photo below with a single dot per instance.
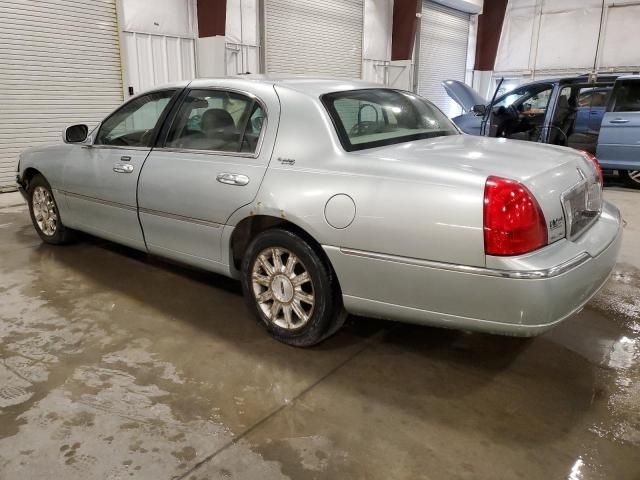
332 197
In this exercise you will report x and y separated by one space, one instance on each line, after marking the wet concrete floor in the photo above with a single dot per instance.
115 365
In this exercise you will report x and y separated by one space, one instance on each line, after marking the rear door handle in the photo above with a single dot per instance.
123 168
232 179
619 120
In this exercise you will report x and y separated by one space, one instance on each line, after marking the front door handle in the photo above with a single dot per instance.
232 179
123 168
619 120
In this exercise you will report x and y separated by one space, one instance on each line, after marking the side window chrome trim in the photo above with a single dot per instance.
209 152
119 147
249 95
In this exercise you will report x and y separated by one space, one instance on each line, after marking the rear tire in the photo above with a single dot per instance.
631 178
291 289
44 212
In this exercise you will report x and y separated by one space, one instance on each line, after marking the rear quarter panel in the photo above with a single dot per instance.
421 213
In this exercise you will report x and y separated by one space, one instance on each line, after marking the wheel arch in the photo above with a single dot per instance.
28 175
249 227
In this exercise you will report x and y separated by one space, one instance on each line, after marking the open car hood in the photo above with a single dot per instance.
463 94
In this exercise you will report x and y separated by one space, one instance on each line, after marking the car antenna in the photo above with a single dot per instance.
487 112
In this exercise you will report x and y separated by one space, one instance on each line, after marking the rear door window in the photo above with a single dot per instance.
217 120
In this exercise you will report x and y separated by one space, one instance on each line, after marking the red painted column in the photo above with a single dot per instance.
489 30
405 23
212 16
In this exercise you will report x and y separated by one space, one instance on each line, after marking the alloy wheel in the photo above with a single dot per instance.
634 175
44 211
282 288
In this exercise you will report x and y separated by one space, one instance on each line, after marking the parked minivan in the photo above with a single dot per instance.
600 115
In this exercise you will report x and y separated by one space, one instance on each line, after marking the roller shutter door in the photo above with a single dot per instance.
444 37
59 65
314 37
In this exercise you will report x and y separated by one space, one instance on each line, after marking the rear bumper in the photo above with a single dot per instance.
545 288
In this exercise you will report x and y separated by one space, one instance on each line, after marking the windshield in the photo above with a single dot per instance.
376 117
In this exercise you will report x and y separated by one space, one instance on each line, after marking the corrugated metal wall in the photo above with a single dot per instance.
444 38
315 38
59 65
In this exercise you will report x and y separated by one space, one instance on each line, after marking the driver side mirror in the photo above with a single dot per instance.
75 133
479 109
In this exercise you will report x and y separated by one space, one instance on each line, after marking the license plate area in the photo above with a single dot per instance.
582 206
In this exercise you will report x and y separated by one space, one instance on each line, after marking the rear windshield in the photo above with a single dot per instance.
376 117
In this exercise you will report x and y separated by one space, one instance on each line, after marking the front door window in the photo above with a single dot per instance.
134 123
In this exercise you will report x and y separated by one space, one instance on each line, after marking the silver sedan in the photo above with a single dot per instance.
326 197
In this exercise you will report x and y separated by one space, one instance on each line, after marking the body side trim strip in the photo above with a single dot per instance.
491 272
183 218
97 200
148 211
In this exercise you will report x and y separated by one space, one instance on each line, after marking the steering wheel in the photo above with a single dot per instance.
505 119
363 127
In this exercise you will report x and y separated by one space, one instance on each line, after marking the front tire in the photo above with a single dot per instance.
631 178
44 212
291 289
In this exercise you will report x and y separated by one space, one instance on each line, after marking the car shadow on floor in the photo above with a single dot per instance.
490 379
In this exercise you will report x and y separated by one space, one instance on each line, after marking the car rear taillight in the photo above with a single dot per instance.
592 158
513 220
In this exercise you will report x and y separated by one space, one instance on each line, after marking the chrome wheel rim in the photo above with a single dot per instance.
283 288
634 175
44 211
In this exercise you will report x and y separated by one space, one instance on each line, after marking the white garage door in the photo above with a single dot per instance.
314 37
444 38
59 65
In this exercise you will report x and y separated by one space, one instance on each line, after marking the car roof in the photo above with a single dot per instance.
313 86
600 78
310 85
629 77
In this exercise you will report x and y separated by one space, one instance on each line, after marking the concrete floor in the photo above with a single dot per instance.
115 365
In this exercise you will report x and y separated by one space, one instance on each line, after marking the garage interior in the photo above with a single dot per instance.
116 364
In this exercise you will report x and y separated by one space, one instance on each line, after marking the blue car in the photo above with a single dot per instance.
619 141
600 115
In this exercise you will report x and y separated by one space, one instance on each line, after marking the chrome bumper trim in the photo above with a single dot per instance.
490 272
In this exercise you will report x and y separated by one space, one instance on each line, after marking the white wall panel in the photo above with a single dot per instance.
376 42
515 39
556 51
241 53
621 39
59 65
175 18
546 38
153 60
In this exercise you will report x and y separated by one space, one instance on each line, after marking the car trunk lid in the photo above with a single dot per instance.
564 182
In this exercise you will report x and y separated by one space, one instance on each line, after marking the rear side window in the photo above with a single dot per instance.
627 96
376 117
217 120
